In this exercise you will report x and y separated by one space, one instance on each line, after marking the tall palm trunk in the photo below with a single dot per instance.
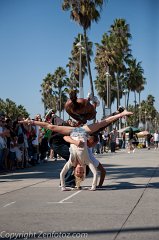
60 104
44 108
139 98
88 63
103 107
118 92
119 123
128 100
135 115
139 107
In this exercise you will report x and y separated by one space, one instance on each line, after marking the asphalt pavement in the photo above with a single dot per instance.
32 206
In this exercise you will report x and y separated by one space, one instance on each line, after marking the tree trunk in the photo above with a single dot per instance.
88 63
135 115
128 100
118 92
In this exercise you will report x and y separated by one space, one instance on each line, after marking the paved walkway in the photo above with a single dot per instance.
127 207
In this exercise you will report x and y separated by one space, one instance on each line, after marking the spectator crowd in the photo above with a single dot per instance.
23 146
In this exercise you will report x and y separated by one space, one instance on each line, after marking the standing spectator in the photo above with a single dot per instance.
20 131
123 140
15 153
4 133
156 139
2 143
105 140
99 144
9 128
130 141
113 137
135 141
44 144
148 140
12 153
31 135
35 142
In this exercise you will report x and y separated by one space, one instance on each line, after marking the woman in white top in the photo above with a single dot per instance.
79 158
156 139
80 154
80 170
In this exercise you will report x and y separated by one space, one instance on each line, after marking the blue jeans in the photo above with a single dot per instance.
1 159
112 146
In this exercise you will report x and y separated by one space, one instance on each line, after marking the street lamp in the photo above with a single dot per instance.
108 89
155 122
81 92
150 122
139 114
145 119
125 91
140 126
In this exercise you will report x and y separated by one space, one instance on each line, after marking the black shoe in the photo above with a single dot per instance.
70 185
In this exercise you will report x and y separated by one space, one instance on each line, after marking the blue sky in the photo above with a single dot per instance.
36 37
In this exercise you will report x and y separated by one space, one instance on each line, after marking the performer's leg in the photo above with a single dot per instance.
96 126
95 176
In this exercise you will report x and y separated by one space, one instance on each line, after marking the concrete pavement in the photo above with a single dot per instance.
127 207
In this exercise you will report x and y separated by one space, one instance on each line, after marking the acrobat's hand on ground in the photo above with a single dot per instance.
67 188
64 189
92 189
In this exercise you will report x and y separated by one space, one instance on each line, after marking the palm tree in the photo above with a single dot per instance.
22 111
112 54
74 66
48 99
59 81
105 55
2 105
135 82
104 59
120 36
148 111
84 12
101 87
134 78
11 110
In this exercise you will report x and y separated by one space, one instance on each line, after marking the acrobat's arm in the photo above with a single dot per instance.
78 143
63 172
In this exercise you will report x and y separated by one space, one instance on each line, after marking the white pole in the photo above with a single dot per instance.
81 93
